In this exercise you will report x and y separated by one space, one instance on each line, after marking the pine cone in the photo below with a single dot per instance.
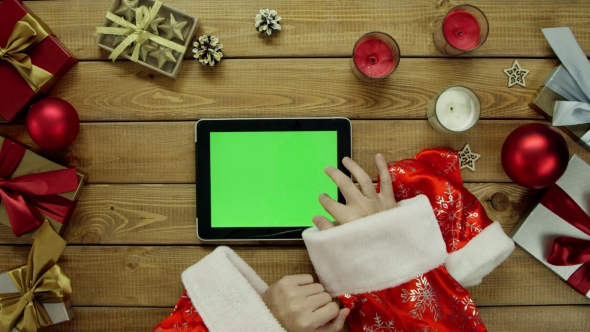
267 22
208 50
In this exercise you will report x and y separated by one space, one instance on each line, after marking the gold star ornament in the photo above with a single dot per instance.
145 50
173 28
128 9
516 75
155 24
467 158
163 55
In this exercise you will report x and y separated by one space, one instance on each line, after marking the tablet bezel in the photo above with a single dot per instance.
204 127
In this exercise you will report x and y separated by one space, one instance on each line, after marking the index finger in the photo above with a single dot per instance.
300 279
363 179
384 179
344 183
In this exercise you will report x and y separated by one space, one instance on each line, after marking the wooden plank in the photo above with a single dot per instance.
330 28
112 319
496 319
142 276
539 318
292 87
147 152
165 214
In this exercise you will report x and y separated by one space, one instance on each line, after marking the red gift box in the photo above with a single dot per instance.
49 55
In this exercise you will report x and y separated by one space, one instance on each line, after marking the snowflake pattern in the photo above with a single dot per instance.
464 313
451 166
401 192
454 216
423 329
380 326
356 308
425 297
181 327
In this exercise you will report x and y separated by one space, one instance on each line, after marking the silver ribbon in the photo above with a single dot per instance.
573 83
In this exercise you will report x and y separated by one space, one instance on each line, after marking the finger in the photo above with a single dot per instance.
300 279
386 192
363 179
322 223
325 314
337 324
335 209
318 300
347 187
311 289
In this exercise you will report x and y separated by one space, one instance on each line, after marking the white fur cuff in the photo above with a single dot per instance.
227 294
379 251
480 256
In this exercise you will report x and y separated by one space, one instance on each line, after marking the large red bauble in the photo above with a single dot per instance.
53 123
535 155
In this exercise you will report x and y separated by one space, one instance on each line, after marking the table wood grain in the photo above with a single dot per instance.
133 231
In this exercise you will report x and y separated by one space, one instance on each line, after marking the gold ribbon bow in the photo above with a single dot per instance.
26 33
40 281
137 32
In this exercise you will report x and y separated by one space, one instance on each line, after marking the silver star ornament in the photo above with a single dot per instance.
467 158
516 75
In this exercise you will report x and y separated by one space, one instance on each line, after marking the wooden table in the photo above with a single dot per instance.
133 232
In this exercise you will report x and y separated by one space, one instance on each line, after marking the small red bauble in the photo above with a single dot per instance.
53 123
535 155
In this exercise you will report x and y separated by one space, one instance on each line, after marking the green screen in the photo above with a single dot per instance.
270 179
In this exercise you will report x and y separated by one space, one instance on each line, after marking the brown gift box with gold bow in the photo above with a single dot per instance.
32 60
36 295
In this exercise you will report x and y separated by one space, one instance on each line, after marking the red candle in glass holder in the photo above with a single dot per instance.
461 30
374 58
464 28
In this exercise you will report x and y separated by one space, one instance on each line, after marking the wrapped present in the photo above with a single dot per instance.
32 60
36 295
564 97
148 32
33 189
557 230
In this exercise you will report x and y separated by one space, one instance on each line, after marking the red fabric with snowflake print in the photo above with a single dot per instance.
433 301
435 173
184 318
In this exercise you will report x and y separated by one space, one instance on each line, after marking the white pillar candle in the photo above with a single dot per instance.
455 110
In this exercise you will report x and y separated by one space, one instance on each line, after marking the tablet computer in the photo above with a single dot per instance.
259 179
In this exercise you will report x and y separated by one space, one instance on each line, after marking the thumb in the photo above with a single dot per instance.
322 223
337 324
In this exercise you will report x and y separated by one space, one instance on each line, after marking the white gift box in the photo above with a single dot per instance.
537 230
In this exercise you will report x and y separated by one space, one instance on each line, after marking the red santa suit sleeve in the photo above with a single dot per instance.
222 294
476 244
388 269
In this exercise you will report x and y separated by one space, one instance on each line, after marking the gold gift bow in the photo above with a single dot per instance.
40 281
26 33
137 32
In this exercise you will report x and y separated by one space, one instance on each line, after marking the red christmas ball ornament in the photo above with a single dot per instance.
53 123
535 155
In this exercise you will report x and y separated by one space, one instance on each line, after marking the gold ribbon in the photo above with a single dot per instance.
26 33
137 32
40 281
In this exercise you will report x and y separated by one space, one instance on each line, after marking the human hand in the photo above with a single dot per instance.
301 305
361 203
